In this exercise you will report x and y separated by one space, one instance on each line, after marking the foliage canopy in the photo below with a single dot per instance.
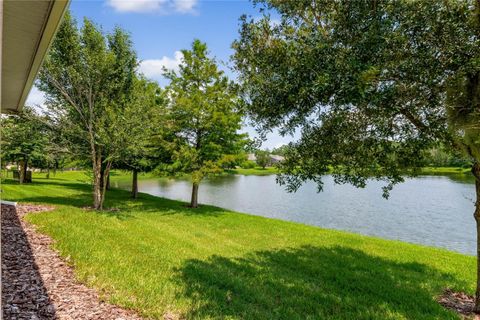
371 85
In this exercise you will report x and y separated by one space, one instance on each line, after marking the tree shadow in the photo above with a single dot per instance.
118 202
77 201
312 283
163 206
24 295
74 184
80 196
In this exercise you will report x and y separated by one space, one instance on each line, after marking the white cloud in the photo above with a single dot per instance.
149 6
136 5
153 68
184 6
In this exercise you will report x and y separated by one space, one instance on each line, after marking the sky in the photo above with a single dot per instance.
161 28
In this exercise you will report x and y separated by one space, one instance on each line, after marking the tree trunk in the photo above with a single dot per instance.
102 176
21 171
476 215
135 184
25 169
97 184
476 173
105 174
107 185
194 201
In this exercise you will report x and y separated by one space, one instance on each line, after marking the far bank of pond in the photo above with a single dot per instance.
430 210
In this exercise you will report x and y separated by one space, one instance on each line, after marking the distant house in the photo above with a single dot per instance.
276 158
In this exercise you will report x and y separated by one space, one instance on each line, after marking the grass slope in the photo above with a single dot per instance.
257 171
156 256
445 170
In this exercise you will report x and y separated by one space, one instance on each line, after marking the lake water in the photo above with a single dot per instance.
430 210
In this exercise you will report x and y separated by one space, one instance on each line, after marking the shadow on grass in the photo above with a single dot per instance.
73 184
117 199
77 201
156 205
312 283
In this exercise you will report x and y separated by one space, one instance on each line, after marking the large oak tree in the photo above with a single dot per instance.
371 85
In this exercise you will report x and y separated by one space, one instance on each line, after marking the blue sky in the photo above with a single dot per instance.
160 28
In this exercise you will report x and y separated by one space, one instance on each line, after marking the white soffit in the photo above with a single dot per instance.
29 27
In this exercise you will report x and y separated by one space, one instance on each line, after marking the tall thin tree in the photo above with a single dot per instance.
88 79
205 111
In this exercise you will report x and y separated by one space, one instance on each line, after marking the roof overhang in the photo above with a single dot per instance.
28 29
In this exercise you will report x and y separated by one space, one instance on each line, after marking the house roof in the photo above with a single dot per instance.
277 157
27 30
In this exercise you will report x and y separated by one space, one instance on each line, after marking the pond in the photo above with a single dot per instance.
430 210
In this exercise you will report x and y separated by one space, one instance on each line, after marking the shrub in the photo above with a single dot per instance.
248 165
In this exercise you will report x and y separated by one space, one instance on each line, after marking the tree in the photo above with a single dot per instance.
263 158
88 79
281 151
204 109
143 151
442 157
230 161
24 139
372 85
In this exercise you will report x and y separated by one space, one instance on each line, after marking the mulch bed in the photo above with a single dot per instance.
37 283
460 302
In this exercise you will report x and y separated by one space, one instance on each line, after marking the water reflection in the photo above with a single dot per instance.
457 177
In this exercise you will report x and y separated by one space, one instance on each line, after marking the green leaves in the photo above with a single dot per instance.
88 78
366 82
204 110
24 137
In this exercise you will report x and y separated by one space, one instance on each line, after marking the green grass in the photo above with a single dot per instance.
445 170
258 171
157 256
424 171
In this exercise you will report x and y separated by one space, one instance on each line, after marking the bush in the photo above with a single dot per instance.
263 158
248 165
438 157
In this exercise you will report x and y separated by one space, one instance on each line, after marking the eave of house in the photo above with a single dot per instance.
28 29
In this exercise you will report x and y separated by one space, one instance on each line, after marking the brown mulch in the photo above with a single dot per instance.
460 302
37 283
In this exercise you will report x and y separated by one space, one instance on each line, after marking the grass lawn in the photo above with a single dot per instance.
257 171
157 256
424 171
445 170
